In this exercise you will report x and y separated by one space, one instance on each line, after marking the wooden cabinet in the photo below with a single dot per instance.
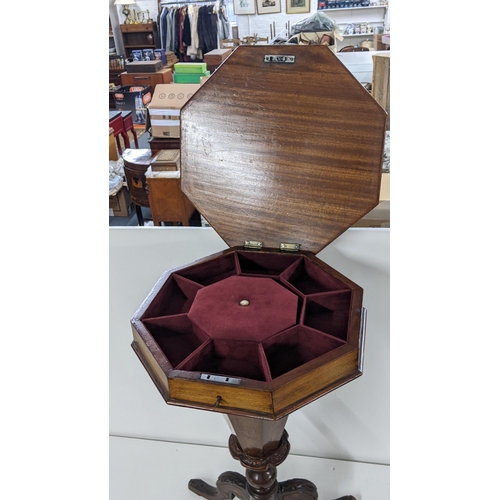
152 79
139 36
166 200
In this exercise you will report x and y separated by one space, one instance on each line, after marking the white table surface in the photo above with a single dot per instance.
158 470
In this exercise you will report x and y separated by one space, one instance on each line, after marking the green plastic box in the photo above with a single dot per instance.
187 78
190 68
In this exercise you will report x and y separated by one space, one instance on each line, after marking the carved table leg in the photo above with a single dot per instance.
229 485
260 446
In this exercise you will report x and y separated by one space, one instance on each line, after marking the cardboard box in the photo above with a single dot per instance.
165 108
120 204
133 98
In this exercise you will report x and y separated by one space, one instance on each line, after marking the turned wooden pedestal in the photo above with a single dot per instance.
260 446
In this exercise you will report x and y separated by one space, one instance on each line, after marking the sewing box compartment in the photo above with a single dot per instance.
280 163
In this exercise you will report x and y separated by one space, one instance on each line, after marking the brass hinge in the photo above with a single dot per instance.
253 245
290 247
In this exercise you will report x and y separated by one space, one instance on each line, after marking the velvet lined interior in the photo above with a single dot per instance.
329 313
264 264
210 272
294 347
217 310
175 297
309 278
296 313
176 335
237 358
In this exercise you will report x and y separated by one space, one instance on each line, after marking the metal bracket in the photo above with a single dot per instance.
253 245
290 247
218 378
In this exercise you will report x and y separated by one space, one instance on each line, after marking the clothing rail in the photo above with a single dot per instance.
165 4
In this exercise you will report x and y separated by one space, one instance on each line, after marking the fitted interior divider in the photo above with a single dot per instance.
249 315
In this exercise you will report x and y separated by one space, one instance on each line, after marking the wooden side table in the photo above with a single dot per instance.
135 164
166 200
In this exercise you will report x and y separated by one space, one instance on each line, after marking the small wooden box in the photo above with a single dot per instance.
216 57
151 79
279 171
166 161
143 66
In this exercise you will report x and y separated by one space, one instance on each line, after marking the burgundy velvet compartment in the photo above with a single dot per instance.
237 358
212 271
328 313
292 348
217 308
175 297
176 336
264 264
297 312
309 278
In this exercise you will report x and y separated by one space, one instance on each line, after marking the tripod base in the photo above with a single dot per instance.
232 484
260 446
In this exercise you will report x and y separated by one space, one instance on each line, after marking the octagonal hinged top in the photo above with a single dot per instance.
282 149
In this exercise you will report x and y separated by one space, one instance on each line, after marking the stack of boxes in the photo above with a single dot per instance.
165 109
190 72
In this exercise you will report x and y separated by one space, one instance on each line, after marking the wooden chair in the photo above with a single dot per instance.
249 40
230 44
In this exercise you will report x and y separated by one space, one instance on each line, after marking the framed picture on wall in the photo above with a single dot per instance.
298 6
242 7
269 6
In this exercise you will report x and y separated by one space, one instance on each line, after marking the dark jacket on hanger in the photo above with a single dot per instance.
207 28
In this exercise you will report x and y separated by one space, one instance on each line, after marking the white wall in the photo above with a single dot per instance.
260 24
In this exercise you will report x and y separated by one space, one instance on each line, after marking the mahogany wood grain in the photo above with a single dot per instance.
282 152
258 437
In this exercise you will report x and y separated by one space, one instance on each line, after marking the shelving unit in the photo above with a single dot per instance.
139 36
372 14
354 8
112 45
